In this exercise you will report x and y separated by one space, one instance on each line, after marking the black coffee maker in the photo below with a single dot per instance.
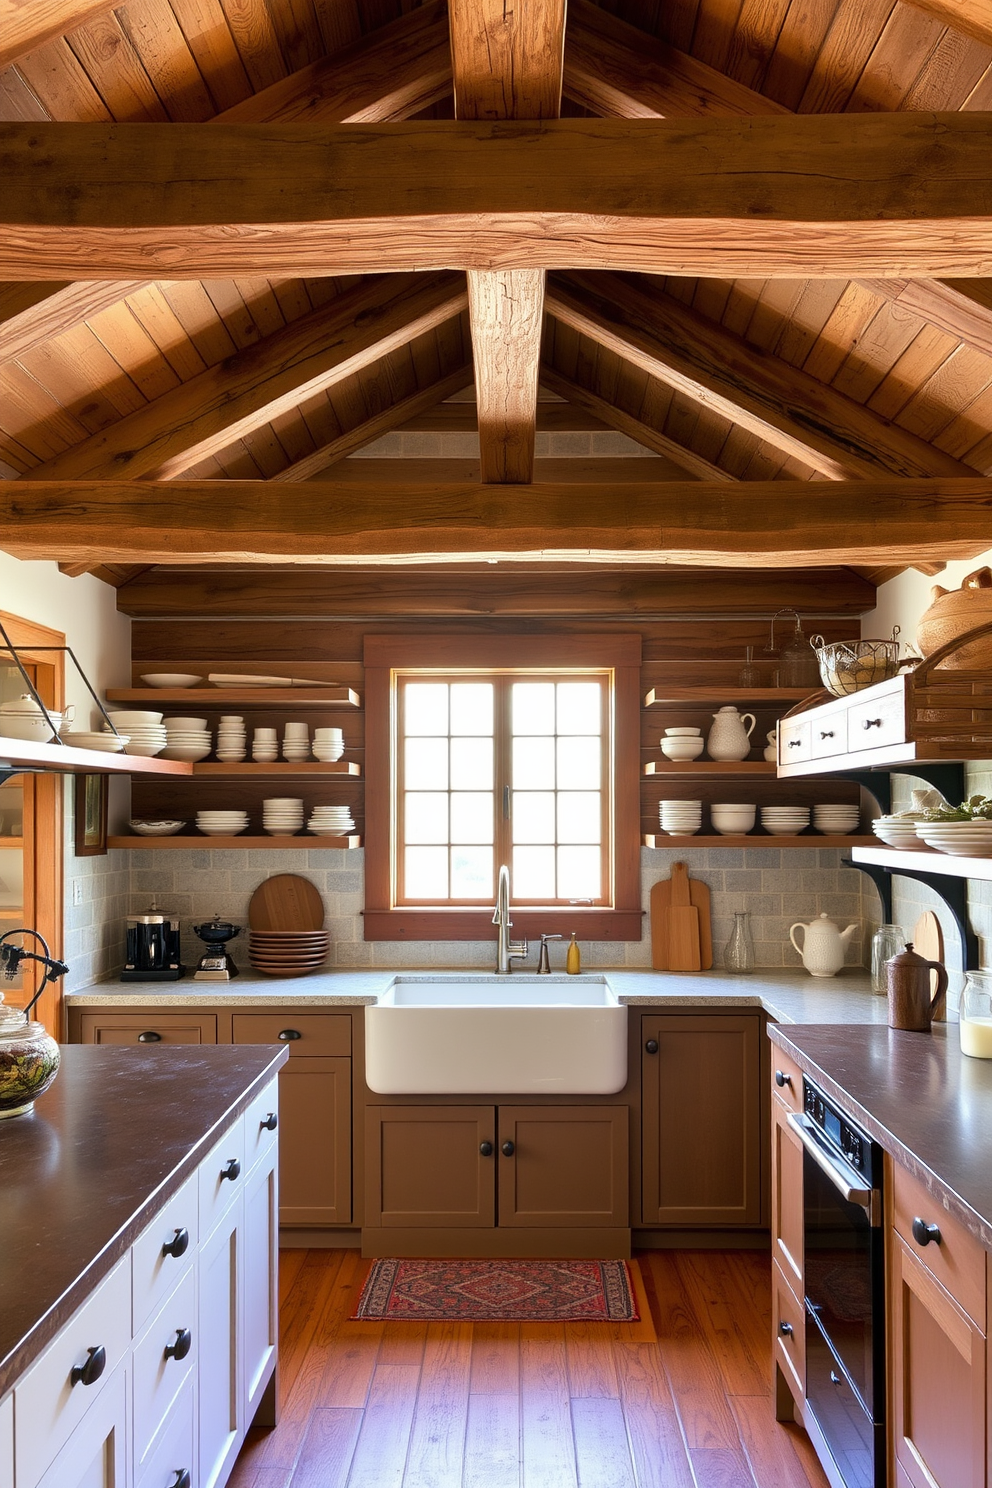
152 948
217 965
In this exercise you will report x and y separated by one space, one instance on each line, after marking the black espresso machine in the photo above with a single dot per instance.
152 948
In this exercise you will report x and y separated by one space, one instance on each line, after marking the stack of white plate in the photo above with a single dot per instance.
331 821
296 743
282 815
680 818
836 818
222 823
784 821
189 739
328 744
961 839
106 743
145 730
265 746
899 832
231 738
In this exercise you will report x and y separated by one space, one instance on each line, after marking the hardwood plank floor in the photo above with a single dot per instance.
681 1399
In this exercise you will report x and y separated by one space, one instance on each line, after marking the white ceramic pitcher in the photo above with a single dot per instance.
823 945
728 738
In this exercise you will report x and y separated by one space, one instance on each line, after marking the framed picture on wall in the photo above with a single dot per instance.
91 816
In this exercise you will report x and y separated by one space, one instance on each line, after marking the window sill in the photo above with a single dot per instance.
477 924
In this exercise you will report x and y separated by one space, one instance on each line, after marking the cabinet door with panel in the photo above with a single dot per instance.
95 1456
219 1379
430 1166
787 1197
123 1027
563 1166
260 1265
701 1119
7 1442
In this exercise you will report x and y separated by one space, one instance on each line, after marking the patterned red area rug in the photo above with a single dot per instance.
498 1291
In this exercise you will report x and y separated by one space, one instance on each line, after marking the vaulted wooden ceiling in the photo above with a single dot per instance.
598 262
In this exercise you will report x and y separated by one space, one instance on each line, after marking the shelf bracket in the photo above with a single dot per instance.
878 784
953 891
8 771
944 775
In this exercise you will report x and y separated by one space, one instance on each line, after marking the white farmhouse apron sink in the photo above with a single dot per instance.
490 1035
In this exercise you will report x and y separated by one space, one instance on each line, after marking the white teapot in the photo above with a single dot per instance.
771 748
728 738
823 945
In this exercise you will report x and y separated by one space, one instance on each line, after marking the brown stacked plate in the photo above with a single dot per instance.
288 952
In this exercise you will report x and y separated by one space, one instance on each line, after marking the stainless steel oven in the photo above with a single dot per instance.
845 1300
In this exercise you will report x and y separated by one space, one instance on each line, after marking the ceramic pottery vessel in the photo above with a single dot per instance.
823 945
29 1062
728 738
911 1002
952 613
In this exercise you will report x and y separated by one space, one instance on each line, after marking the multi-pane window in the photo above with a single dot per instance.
503 768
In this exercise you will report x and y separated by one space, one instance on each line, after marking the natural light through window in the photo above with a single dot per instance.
503 769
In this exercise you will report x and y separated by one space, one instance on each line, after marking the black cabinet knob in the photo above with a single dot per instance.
289 1035
923 1233
785 1328
507 1149
183 1479
781 1078
486 1148
232 1170
652 1046
179 1245
149 1037
90 1372
182 1345
270 1123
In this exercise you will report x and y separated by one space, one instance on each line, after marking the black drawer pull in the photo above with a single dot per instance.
651 1047
794 743
289 1035
507 1149
179 1245
872 723
270 1123
183 1479
826 733
149 1037
182 1345
785 1329
90 1372
486 1149
923 1233
781 1078
232 1170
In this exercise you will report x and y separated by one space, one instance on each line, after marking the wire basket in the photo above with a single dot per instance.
849 666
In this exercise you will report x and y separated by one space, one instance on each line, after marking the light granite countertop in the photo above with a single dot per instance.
786 996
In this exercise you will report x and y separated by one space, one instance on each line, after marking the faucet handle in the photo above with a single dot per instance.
543 962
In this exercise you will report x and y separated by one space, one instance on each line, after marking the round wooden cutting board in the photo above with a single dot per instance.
286 902
928 942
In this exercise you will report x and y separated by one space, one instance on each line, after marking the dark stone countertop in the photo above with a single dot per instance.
117 1134
925 1102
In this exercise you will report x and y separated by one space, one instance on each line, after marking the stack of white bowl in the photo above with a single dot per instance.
732 820
145 730
331 821
107 743
189 739
784 821
222 823
282 815
836 818
265 746
328 744
231 738
680 818
961 839
296 743
899 832
682 743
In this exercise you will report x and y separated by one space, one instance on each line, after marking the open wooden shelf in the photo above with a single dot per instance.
61 759
275 770
163 843
924 862
224 698
661 694
11 843
755 839
709 767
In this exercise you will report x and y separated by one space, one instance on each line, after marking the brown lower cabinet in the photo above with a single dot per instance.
113 1027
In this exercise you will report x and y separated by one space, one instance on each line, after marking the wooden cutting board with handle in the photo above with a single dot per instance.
928 942
661 904
286 902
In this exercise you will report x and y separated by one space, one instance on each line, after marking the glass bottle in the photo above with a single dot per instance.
739 954
749 674
976 1015
887 942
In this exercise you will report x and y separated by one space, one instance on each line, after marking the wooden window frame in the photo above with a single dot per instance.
388 654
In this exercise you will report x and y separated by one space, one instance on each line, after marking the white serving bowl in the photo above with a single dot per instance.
328 754
731 818
232 831
183 752
106 743
143 749
682 733
183 725
142 718
28 726
681 749
171 679
156 828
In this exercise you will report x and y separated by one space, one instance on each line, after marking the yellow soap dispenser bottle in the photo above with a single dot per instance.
573 960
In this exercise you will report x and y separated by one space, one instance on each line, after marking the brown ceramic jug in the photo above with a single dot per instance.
911 1005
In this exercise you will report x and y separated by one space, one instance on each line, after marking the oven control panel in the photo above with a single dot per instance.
840 1132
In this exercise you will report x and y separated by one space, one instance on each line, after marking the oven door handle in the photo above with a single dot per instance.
843 1177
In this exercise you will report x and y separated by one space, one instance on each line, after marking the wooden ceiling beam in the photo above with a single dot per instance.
507 64
779 403
373 428
394 73
625 423
972 17
488 591
207 414
770 524
853 194
27 24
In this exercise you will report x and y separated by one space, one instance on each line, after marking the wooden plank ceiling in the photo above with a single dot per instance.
869 381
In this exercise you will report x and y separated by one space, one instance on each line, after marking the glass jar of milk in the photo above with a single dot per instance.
976 1015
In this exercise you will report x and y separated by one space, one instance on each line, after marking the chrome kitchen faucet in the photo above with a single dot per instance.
507 950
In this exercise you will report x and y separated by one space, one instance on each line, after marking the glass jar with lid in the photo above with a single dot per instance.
29 1061
976 1015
